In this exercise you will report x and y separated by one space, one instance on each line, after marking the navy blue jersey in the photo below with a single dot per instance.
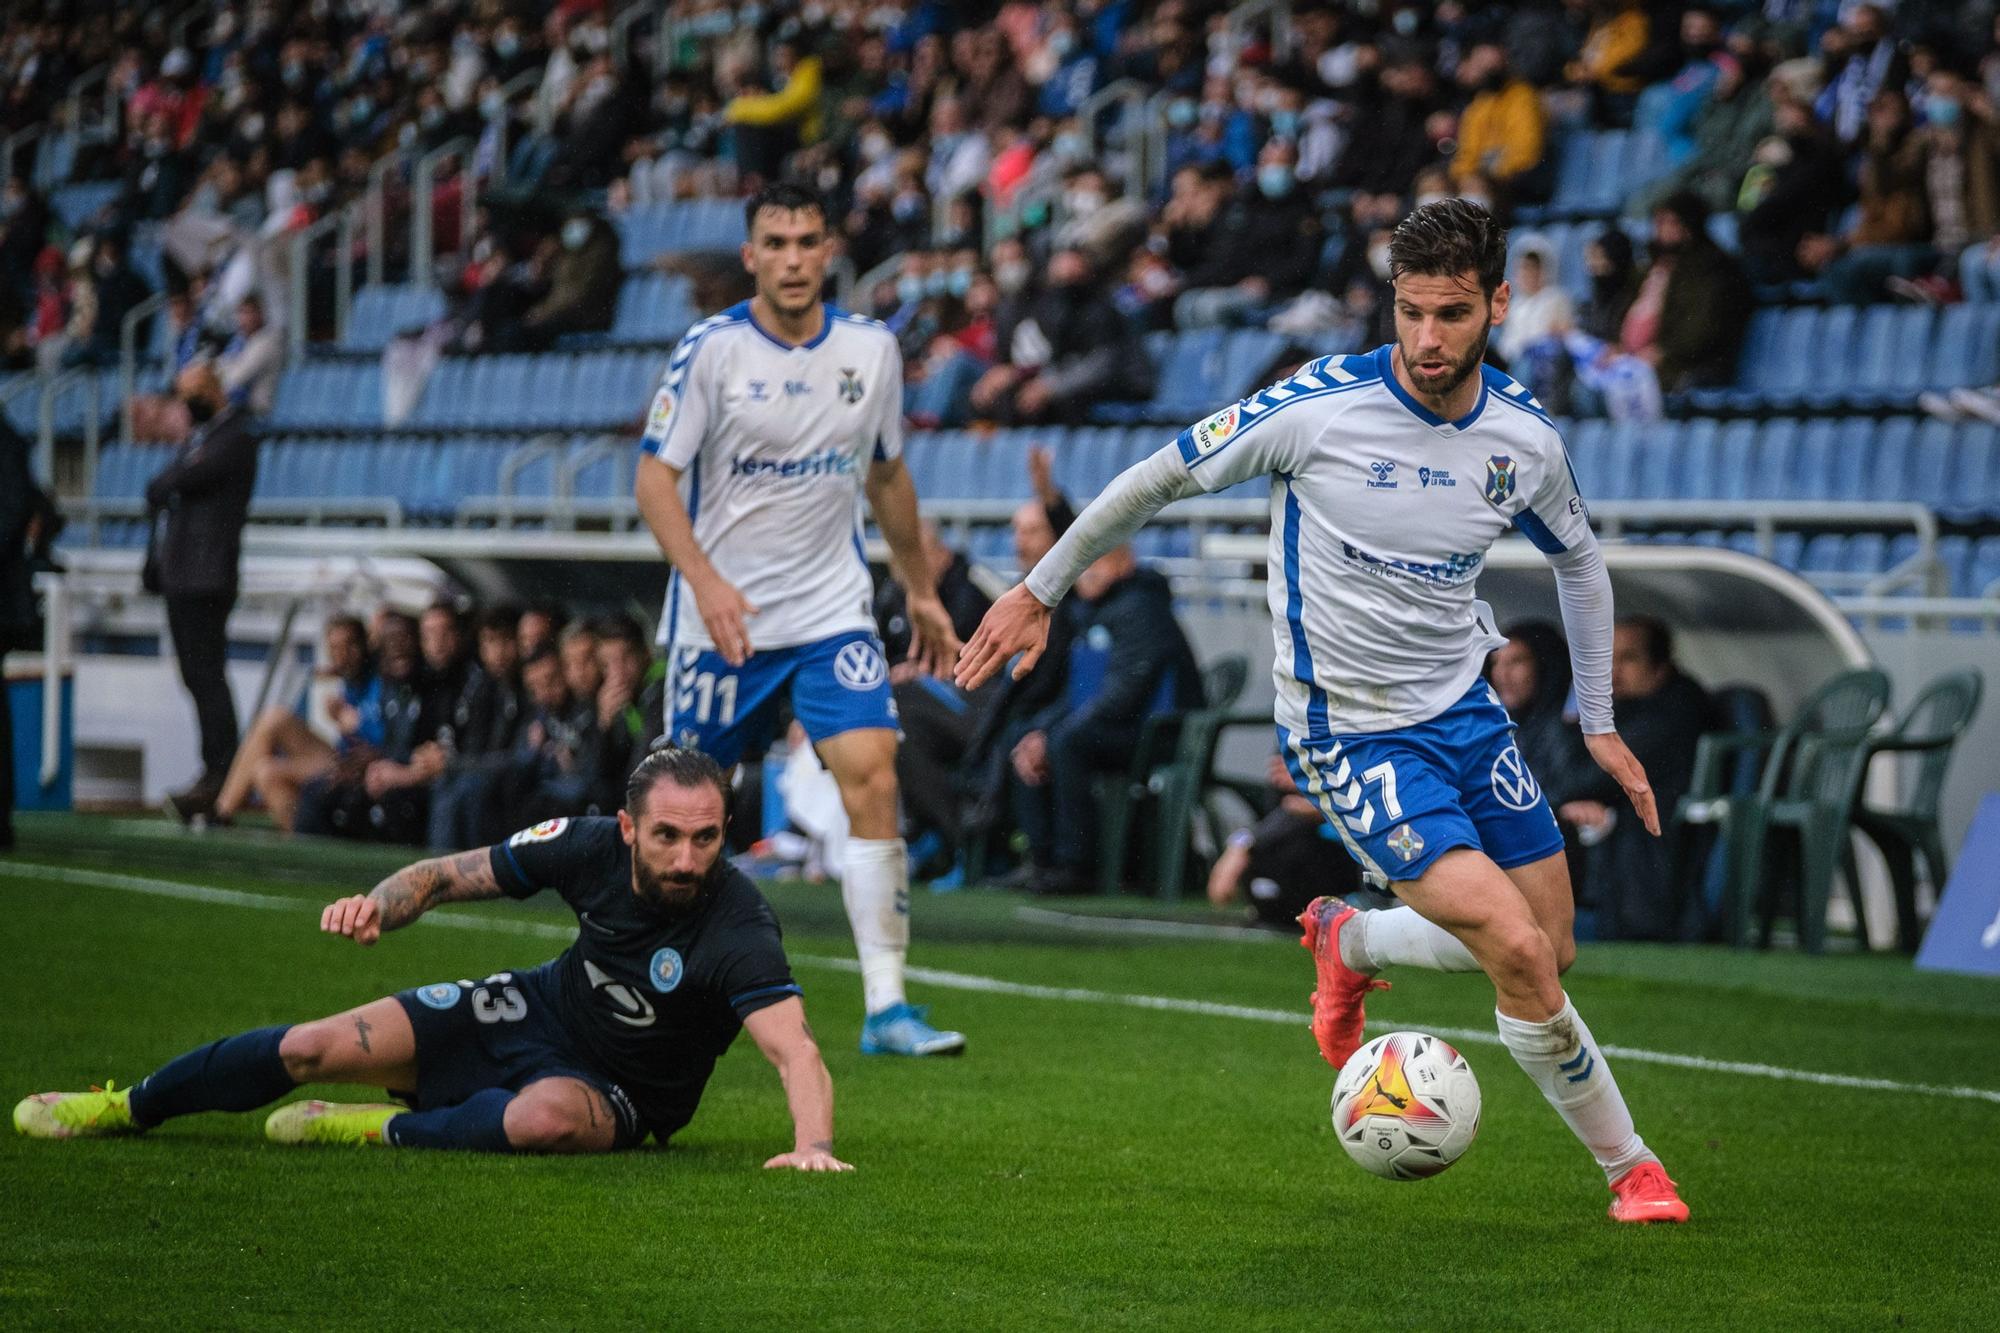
650 998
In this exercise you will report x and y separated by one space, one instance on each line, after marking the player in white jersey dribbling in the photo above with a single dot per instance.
1392 474
776 418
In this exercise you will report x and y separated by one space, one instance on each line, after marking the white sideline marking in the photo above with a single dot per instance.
162 888
1086 923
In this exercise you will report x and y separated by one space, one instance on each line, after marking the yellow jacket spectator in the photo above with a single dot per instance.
1616 37
1502 133
796 103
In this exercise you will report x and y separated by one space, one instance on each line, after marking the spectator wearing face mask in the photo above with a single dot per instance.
1272 246
1104 227
583 279
1069 350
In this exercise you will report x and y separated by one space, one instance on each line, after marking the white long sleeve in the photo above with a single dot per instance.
1134 495
1583 586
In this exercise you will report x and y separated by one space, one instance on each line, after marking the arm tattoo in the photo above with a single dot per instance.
414 890
361 1026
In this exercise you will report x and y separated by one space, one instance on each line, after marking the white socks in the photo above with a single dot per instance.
875 886
1372 941
1566 1064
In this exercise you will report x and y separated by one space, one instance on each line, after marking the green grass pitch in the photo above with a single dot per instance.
1090 1162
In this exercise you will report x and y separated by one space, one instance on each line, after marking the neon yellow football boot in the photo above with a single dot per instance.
99 1113
355 1125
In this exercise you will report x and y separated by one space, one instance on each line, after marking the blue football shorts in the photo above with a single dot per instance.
731 713
1401 799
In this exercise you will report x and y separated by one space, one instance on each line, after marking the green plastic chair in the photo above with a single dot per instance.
1811 776
1149 788
1929 729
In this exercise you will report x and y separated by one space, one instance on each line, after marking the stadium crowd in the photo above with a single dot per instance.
1841 151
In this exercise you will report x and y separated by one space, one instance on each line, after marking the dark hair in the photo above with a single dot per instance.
1445 239
352 624
683 768
504 618
545 653
1652 632
785 196
621 628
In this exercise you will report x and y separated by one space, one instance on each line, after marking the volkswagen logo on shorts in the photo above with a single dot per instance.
1513 784
859 666
442 995
666 970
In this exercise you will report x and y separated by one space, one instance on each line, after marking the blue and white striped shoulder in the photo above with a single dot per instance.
1511 390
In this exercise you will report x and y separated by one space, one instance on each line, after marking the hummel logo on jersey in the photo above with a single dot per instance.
1428 477
757 391
850 386
1383 470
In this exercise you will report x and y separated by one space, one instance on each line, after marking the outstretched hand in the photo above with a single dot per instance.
808 1159
1614 758
1017 623
358 917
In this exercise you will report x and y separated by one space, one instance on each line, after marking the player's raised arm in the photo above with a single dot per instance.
786 1039
1241 441
409 893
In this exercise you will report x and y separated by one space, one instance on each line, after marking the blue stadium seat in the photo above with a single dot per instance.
1887 339
382 311
1775 461
1972 486
1736 458
1885 459
78 204
1965 352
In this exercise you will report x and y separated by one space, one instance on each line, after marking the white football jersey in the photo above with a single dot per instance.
773 443
1381 516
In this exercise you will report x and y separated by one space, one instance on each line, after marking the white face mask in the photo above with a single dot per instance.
575 232
1082 203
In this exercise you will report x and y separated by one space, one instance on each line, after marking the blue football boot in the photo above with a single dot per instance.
901 1029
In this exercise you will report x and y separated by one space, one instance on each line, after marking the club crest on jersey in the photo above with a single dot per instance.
1499 478
851 387
1213 433
666 970
1407 843
858 666
1382 470
442 995
542 832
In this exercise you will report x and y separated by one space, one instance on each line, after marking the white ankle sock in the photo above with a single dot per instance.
1372 941
1566 1064
875 887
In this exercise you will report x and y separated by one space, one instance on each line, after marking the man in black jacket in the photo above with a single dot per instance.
204 495
1662 714
21 500
1270 247
1129 660
1069 351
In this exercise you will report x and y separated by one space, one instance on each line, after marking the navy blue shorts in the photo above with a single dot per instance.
499 1033
731 713
1401 799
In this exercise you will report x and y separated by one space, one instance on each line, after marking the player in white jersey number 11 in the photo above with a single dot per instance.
1392 473
775 419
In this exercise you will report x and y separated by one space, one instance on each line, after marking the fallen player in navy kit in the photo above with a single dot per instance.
609 1042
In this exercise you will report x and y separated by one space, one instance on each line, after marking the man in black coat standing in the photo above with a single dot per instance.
20 502
204 496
